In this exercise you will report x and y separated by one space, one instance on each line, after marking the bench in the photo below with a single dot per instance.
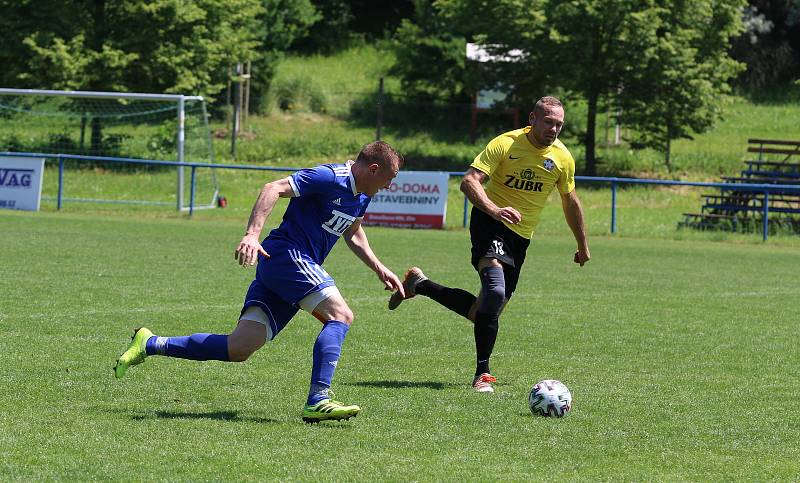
773 146
780 165
735 198
735 191
774 174
725 208
732 201
736 208
759 180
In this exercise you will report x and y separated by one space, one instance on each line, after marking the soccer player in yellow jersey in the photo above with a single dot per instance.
508 185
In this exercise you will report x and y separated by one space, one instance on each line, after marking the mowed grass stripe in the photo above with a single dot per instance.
681 357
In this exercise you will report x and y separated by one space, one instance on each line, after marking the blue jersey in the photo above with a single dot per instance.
325 204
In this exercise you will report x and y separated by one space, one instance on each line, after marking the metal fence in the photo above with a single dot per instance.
766 189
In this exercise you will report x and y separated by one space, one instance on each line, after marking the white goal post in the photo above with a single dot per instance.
111 106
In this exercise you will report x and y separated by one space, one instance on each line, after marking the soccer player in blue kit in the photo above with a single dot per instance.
327 202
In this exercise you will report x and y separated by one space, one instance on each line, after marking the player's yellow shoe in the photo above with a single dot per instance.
135 353
328 409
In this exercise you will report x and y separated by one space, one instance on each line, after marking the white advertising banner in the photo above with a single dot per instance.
21 182
415 199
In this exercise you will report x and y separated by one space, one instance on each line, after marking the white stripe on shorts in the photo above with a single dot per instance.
304 267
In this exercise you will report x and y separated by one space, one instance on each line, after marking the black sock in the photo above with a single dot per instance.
455 299
486 326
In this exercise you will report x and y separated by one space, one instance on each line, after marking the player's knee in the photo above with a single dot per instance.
493 291
493 300
494 297
240 354
240 350
345 316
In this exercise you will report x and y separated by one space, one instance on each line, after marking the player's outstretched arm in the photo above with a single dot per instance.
248 249
356 240
472 187
573 212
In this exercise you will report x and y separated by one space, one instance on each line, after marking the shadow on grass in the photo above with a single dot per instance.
406 384
232 416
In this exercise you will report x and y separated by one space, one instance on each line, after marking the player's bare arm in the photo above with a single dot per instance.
472 187
573 212
248 249
356 239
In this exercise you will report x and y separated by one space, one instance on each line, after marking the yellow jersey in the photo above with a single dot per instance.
522 175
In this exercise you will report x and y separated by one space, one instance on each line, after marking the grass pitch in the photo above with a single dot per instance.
681 356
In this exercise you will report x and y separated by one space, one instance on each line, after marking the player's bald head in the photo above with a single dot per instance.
546 104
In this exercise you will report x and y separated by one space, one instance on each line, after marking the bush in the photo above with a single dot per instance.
297 94
12 143
61 143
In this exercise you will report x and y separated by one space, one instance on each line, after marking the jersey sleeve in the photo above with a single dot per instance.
364 205
311 180
566 182
492 155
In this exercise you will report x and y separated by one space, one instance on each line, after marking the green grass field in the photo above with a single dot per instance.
681 356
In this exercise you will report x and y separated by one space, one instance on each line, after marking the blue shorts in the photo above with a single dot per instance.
282 281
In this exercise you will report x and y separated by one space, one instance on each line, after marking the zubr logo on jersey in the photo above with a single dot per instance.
523 181
338 223
16 178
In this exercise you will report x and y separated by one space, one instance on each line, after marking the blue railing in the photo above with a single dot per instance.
748 187
766 189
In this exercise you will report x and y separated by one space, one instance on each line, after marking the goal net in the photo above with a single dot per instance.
111 125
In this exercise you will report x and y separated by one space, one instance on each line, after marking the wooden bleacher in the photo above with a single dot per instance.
735 209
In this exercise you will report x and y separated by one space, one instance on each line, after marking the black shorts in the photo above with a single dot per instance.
492 239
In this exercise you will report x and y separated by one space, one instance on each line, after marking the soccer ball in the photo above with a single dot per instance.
550 398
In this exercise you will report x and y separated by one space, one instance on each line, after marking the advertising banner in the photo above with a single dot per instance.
21 182
415 199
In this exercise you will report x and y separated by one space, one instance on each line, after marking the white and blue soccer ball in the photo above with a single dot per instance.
550 398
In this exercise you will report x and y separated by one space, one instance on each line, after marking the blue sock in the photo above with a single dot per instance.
326 355
197 347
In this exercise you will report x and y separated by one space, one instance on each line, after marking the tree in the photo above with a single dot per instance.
430 55
580 46
126 45
332 31
595 48
281 23
770 43
679 91
156 46
598 45
345 22
500 27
